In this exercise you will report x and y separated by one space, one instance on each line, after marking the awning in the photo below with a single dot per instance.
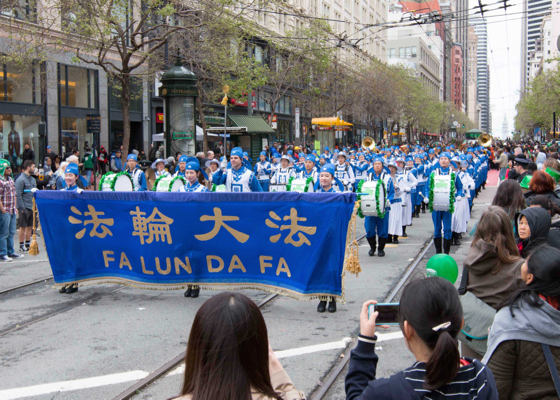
430 134
157 137
253 124
332 121
474 131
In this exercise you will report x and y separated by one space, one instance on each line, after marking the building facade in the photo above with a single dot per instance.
483 73
471 82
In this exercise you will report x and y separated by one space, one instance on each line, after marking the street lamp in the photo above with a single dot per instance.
179 90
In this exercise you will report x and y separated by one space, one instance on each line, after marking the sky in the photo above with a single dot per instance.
504 58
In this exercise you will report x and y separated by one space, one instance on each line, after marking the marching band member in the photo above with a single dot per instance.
309 171
410 182
395 215
71 177
325 185
192 172
238 178
361 169
284 173
443 219
462 213
263 170
375 225
275 165
159 168
344 171
247 161
138 176
212 166
182 165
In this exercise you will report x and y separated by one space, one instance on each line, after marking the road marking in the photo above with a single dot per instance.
112 379
72 385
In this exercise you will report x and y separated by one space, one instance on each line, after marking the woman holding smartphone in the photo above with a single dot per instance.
430 317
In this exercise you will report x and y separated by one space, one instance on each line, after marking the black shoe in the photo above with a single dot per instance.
62 289
332 306
194 293
446 245
459 236
395 239
12 256
71 289
381 251
322 307
404 232
188 292
372 245
437 244
389 238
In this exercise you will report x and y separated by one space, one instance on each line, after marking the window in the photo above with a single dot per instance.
258 54
77 87
19 9
393 53
401 52
20 84
407 52
136 95
326 11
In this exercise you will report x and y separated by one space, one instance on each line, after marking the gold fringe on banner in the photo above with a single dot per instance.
351 257
34 246
205 286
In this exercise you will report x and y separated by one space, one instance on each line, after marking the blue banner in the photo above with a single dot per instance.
288 243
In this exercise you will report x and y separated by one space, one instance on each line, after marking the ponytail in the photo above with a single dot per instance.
443 365
432 307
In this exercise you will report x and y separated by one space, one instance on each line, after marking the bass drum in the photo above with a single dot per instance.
300 185
442 189
170 184
120 182
368 204
277 188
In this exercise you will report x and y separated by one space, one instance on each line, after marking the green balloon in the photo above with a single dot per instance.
444 266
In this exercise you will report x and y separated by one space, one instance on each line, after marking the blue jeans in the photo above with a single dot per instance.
7 232
376 225
88 176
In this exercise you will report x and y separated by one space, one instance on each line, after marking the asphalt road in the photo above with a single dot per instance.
104 338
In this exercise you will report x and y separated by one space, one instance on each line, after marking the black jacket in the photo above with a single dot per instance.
551 195
361 383
539 224
28 154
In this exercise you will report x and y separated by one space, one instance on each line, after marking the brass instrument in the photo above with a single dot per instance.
368 143
404 149
485 140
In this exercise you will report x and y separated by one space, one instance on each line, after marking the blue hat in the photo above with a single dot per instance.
132 157
446 154
184 159
330 169
380 159
223 158
324 157
72 169
290 152
310 158
263 153
431 151
314 151
237 151
245 154
194 165
48 147
343 154
326 148
409 158
300 154
470 150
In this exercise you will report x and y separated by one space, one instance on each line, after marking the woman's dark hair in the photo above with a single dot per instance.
425 304
495 227
510 197
544 264
227 353
541 182
545 202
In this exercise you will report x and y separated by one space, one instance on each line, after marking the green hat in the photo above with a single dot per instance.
554 173
525 182
444 266
3 165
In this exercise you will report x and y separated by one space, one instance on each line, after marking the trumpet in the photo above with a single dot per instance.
485 140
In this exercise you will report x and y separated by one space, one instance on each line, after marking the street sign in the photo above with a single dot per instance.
183 135
297 122
455 123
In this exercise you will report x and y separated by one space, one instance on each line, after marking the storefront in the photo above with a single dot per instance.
78 96
256 136
116 126
22 97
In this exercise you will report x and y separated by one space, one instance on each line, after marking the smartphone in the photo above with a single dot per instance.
388 313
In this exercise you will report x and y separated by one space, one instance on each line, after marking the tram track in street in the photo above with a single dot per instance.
23 285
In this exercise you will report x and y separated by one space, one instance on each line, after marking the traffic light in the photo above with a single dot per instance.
463 125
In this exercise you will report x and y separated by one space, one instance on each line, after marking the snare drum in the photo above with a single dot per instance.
120 182
277 188
169 184
442 189
368 204
301 185
219 188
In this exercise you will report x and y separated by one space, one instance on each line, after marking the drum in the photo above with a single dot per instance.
301 185
277 188
219 188
442 189
169 184
368 204
120 182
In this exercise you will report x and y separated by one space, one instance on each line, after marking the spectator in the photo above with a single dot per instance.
88 164
8 215
554 211
142 156
102 161
532 226
493 263
152 154
50 154
229 355
28 154
430 318
25 203
502 163
170 165
160 152
542 184
116 162
58 177
515 345
57 161
521 167
510 197
541 157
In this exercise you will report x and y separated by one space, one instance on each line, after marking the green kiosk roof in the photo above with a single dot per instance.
253 124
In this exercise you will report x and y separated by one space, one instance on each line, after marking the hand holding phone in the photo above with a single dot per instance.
387 313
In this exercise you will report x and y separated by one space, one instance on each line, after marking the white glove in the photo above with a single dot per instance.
387 204
33 190
426 200
79 190
407 190
457 198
